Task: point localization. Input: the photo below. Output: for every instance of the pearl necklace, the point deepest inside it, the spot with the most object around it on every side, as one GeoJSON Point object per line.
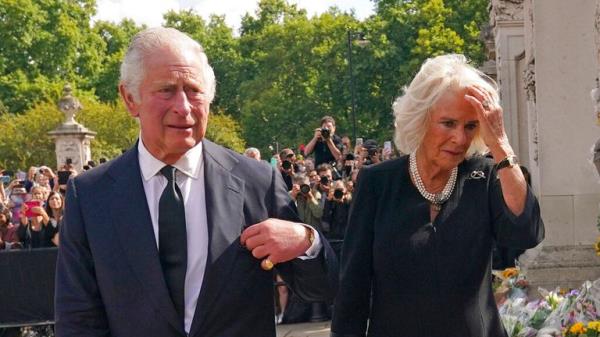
{"type": "Point", "coordinates": [436, 199]}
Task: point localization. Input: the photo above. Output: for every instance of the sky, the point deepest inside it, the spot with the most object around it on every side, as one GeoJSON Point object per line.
{"type": "Point", "coordinates": [150, 12]}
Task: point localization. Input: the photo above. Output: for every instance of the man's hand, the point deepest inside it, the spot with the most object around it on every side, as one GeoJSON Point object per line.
{"type": "Point", "coordinates": [277, 240]}
{"type": "Point", "coordinates": [318, 134]}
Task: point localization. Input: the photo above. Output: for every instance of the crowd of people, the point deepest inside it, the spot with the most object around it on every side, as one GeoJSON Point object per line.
{"type": "Point", "coordinates": [320, 179]}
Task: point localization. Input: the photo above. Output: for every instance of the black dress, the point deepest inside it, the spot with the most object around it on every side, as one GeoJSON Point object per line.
{"type": "Point", "coordinates": [426, 279]}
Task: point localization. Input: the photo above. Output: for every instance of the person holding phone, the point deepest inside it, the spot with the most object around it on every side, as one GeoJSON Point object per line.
{"type": "Point", "coordinates": [34, 231]}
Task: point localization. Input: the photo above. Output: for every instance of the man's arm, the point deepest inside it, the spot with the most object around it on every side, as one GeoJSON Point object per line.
{"type": "Point", "coordinates": [310, 147]}
{"type": "Point", "coordinates": [335, 152]}
{"type": "Point", "coordinates": [282, 239]}
{"type": "Point", "coordinates": [78, 307]}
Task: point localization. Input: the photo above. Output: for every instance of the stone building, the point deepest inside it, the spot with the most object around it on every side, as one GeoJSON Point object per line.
{"type": "Point", "coordinates": [547, 61]}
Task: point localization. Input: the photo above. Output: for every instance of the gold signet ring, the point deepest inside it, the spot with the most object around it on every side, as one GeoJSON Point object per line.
{"type": "Point", "coordinates": [266, 264]}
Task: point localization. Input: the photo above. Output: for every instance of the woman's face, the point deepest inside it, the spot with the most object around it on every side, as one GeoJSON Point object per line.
{"type": "Point", "coordinates": [451, 129]}
{"type": "Point", "coordinates": [55, 202]}
{"type": "Point", "coordinates": [37, 194]}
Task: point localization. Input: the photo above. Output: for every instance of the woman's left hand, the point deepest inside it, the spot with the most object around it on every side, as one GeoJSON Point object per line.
{"type": "Point", "coordinates": [489, 113]}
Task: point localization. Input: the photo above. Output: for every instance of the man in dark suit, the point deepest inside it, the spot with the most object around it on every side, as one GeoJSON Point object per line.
{"type": "Point", "coordinates": [169, 238]}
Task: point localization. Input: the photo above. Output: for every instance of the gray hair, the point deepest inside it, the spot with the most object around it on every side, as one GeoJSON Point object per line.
{"type": "Point", "coordinates": [150, 40]}
{"type": "Point", "coordinates": [252, 150]}
{"type": "Point", "coordinates": [437, 76]}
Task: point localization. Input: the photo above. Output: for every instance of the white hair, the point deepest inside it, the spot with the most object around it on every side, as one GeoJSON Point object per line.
{"type": "Point", "coordinates": [437, 76]}
{"type": "Point", "coordinates": [252, 150]}
{"type": "Point", "coordinates": [150, 41]}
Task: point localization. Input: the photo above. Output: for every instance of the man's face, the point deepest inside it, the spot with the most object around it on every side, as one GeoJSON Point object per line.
{"type": "Point", "coordinates": [172, 108]}
{"type": "Point", "coordinates": [330, 126]}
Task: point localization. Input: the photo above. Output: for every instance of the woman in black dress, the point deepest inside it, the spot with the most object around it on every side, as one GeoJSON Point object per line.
{"type": "Point", "coordinates": [416, 259]}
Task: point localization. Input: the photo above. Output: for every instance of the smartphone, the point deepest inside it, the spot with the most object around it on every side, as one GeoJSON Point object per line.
{"type": "Point", "coordinates": [5, 180]}
{"type": "Point", "coordinates": [387, 145]}
{"type": "Point", "coordinates": [63, 177]}
{"type": "Point", "coordinates": [30, 204]}
{"type": "Point", "coordinates": [359, 141]}
{"type": "Point", "coordinates": [274, 162]}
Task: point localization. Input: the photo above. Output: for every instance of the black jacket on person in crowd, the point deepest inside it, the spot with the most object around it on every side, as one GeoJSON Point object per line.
{"type": "Point", "coordinates": [109, 280]}
{"type": "Point", "coordinates": [409, 277]}
{"type": "Point", "coordinates": [335, 214]}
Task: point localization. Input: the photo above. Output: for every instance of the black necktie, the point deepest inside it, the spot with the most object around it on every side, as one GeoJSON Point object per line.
{"type": "Point", "coordinates": [172, 239]}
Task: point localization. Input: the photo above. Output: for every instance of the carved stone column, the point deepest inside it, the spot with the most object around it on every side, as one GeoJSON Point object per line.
{"type": "Point", "coordinates": [506, 20]}
{"type": "Point", "coordinates": [71, 138]}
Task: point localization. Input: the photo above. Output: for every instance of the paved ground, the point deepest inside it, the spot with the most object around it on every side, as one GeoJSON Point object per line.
{"type": "Point", "coordinates": [320, 329]}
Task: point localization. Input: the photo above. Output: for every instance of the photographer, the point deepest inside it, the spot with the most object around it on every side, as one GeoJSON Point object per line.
{"type": "Point", "coordinates": [308, 201]}
{"type": "Point", "coordinates": [287, 166]}
{"type": "Point", "coordinates": [325, 143]}
{"type": "Point", "coordinates": [335, 214]}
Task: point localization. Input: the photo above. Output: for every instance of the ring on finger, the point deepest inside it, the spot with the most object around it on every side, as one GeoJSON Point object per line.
{"type": "Point", "coordinates": [266, 264]}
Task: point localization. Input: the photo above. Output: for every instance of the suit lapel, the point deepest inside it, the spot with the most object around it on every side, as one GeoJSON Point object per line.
{"type": "Point", "coordinates": [133, 225]}
{"type": "Point", "coordinates": [224, 208]}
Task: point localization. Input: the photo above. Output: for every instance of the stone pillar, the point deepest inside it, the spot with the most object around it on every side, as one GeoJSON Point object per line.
{"type": "Point", "coordinates": [71, 138]}
{"type": "Point", "coordinates": [559, 51]}
{"type": "Point", "coordinates": [506, 20]}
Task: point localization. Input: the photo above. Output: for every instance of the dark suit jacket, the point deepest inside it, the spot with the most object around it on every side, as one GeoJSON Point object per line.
{"type": "Point", "coordinates": [109, 280]}
{"type": "Point", "coordinates": [409, 277]}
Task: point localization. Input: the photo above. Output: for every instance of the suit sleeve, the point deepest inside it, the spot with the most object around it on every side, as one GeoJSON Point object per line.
{"type": "Point", "coordinates": [351, 310]}
{"type": "Point", "coordinates": [312, 280]}
{"type": "Point", "coordinates": [79, 310]}
{"type": "Point", "coordinates": [524, 231]}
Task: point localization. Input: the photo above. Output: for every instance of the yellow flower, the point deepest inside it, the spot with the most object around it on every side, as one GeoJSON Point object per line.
{"type": "Point", "coordinates": [577, 328]}
{"type": "Point", "coordinates": [510, 272]}
{"type": "Point", "coordinates": [595, 325]}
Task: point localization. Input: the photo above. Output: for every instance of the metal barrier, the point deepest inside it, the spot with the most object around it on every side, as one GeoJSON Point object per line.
{"type": "Point", "coordinates": [27, 287]}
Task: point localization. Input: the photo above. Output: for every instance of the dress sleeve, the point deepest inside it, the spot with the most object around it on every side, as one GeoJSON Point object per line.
{"type": "Point", "coordinates": [351, 310]}
{"type": "Point", "coordinates": [523, 231]}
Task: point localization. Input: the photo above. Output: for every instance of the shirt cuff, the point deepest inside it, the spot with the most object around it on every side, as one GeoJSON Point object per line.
{"type": "Point", "coordinates": [313, 251]}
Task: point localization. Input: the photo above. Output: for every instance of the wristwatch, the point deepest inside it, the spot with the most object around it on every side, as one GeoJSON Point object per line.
{"type": "Point", "coordinates": [509, 161]}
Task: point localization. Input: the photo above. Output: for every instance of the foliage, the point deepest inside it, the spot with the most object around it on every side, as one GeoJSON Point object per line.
{"type": "Point", "coordinates": [275, 80]}
{"type": "Point", "coordinates": [224, 130]}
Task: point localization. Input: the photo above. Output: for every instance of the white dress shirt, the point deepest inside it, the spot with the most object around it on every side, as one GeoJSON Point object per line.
{"type": "Point", "coordinates": [190, 177]}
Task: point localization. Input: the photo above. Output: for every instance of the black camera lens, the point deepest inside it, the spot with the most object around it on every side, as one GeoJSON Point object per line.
{"type": "Point", "coordinates": [350, 156]}
{"type": "Point", "coordinates": [338, 193]}
{"type": "Point", "coordinates": [325, 133]}
{"type": "Point", "coordinates": [324, 180]}
{"type": "Point", "coordinates": [372, 151]}
{"type": "Point", "coordinates": [304, 188]}
{"type": "Point", "coordinates": [286, 164]}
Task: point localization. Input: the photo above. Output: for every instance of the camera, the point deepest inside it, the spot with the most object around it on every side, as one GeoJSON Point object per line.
{"type": "Point", "coordinates": [338, 194]}
{"type": "Point", "coordinates": [324, 180]}
{"type": "Point", "coordinates": [305, 188]}
{"type": "Point", "coordinates": [325, 133]}
{"type": "Point", "coordinates": [286, 164]}
{"type": "Point", "coordinates": [350, 156]}
{"type": "Point", "coordinates": [69, 161]}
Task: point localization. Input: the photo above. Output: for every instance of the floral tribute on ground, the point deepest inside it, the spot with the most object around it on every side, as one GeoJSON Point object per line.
{"type": "Point", "coordinates": [561, 312]}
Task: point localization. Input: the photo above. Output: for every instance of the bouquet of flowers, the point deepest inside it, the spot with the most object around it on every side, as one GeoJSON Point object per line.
{"type": "Point", "coordinates": [561, 313]}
